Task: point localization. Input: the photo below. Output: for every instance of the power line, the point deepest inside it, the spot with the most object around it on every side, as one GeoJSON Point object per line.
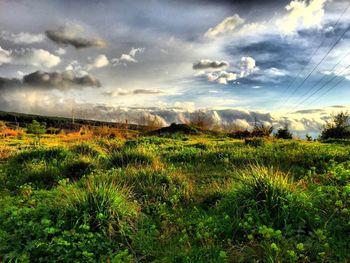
{"type": "Point", "coordinates": [324, 85]}
{"type": "Point", "coordinates": [324, 39]}
{"type": "Point", "coordinates": [327, 91]}
{"type": "Point", "coordinates": [319, 63]}
{"type": "Point", "coordinates": [324, 77]}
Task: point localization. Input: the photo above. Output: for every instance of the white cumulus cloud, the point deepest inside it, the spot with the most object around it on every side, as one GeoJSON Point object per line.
{"type": "Point", "coordinates": [302, 15]}
{"type": "Point", "coordinates": [29, 57]}
{"type": "Point", "coordinates": [22, 37]}
{"type": "Point", "coordinates": [99, 62]}
{"type": "Point", "coordinates": [229, 24]}
{"type": "Point", "coordinates": [124, 59]}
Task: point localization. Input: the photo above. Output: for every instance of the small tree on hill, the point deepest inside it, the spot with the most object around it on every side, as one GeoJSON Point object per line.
{"type": "Point", "coordinates": [284, 133]}
{"type": "Point", "coordinates": [37, 129]}
{"type": "Point", "coordinates": [308, 137]}
{"type": "Point", "coordinates": [337, 128]}
{"type": "Point", "coordinates": [260, 130]}
{"type": "Point", "coordinates": [201, 120]}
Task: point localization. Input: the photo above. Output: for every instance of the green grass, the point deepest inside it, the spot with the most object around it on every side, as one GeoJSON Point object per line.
{"type": "Point", "coordinates": [175, 199]}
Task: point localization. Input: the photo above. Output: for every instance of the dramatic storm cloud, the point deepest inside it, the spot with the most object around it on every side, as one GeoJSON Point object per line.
{"type": "Point", "coordinates": [49, 80]}
{"type": "Point", "coordinates": [73, 35]}
{"type": "Point", "coordinates": [208, 64]}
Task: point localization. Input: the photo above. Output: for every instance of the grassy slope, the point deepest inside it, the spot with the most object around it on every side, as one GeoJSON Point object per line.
{"type": "Point", "coordinates": [182, 199]}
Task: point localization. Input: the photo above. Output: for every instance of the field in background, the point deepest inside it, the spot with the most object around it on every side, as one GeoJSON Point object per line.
{"type": "Point", "coordinates": [79, 197]}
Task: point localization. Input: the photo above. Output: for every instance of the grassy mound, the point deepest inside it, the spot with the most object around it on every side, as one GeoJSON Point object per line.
{"type": "Point", "coordinates": [43, 168]}
{"type": "Point", "coordinates": [85, 149]}
{"type": "Point", "coordinates": [173, 129]}
{"type": "Point", "coordinates": [129, 157]}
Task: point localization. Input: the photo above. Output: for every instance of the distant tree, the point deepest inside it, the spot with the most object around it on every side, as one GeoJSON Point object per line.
{"type": "Point", "coordinates": [37, 129]}
{"type": "Point", "coordinates": [2, 126]}
{"type": "Point", "coordinates": [201, 120]}
{"type": "Point", "coordinates": [337, 128]}
{"type": "Point", "coordinates": [260, 130]}
{"type": "Point", "coordinates": [284, 133]}
{"type": "Point", "coordinates": [150, 122]}
{"type": "Point", "coordinates": [308, 137]}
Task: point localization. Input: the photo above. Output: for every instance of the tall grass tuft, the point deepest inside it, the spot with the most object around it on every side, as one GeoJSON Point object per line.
{"type": "Point", "coordinates": [101, 203]}
{"type": "Point", "coordinates": [157, 186]}
{"type": "Point", "coordinates": [269, 198]}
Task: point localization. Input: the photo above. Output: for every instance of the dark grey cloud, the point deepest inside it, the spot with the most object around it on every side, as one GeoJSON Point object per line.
{"type": "Point", "coordinates": [209, 64]}
{"type": "Point", "coordinates": [273, 52]}
{"type": "Point", "coordinates": [147, 91]}
{"type": "Point", "coordinates": [121, 92]}
{"type": "Point", "coordinates": [73, 35]}
{"type": "Point", "coordinates": [338, 106]}
{"type": "Point", "coordinates": [310, 111]}
{"type": "Point", "coordinates": [49, 80]}
{"type": "Point", "coordinates": [58, 80]}
{"type": "Point", "coordinates": [9, 83]}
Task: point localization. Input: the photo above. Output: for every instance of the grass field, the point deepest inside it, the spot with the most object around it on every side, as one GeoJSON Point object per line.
{"type": "Point", "coordinates": [173, 199]}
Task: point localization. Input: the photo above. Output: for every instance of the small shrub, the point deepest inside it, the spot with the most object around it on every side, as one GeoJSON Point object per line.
{"type": "Point", "coordinates": [260, 130]}
{"type": "Point", "coordinates": [240, 134]}
{"type": "Point", "coordinates": [107, 132]}
{"type": "Point", "coordinates": [284, 133]}
{"type": "Point", "coordinates": [337, 128]}
{"type": "Point", "coordinates": [37, 129]}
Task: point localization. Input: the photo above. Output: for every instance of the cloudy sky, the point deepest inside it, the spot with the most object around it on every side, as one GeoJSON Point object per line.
{"type": "Point", "coordinates": [285, 60]}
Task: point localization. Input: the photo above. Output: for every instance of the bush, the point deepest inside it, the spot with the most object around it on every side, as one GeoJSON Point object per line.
{"type": "Point", "coordinates": [284, 133]}
{"type": "Point", "coordinates": [36, 128]}
{"type": "Point", "coordinates": [240, 134]}
{"type": "Point", "coordinates": [260, 130]}
{"type": "Point", "coordinates": [7, 132]}
{"type": "Point", "coordinates": [337, 128]}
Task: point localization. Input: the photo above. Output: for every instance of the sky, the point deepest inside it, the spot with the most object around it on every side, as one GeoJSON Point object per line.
{"type": "Point", "coordinates": [276, 60]}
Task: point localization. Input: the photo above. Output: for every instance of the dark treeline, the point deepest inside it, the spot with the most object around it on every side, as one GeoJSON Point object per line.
{"type": "Point", "coordinates": [22, 120]}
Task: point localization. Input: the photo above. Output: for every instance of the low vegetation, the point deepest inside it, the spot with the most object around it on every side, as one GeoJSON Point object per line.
{"type": "Point", "coordinates": [174, 196]}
